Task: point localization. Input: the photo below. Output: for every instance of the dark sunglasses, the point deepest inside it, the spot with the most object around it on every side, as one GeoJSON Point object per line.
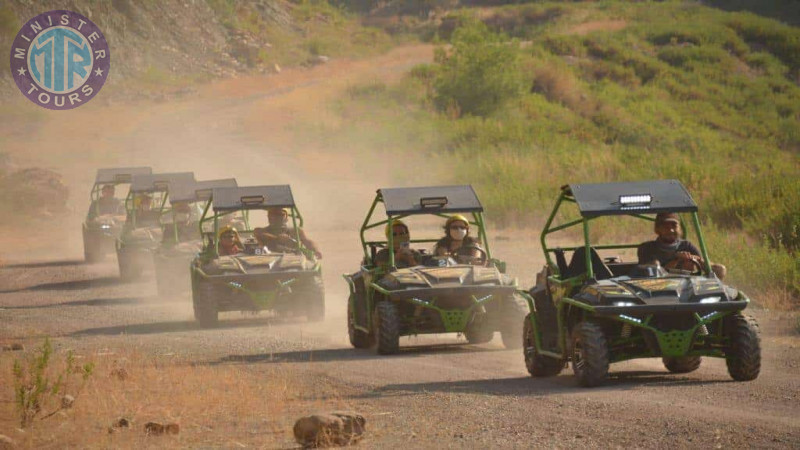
{"type": "Point", "coordinates": [400, 233]}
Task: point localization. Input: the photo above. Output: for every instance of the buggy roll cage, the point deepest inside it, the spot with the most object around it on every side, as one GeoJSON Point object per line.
{"type": "Point", "coordinates": [585, 197]}
{"type": "Point", "coordinates": [158, 184]}
{"type": "Point", "coordinates": [113, 176]}
{"type": "Point", "coordinates": [247, 203]}
{"type": "Point", "coordinates": [200, 191]}
{"type": "Point", "coordinates": [435, 201]}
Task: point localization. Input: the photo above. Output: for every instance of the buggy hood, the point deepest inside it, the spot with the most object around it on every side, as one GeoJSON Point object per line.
{"type": "Point", "coordinates": [451, 276]}
{"type": "Point", "coordinates": [657, 291]}
{"type": "Point", "coordinates": [258, 264]}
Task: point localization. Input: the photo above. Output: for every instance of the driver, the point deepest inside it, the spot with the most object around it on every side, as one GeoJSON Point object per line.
{"type": "Point", "coordinates": [668, 249]}
{"type": "Point", "coordinates": [185, 221]}
{"type": "Point", "coordinates": [145, 214]}
{"type": "Point", "coordinates": [106, 204]}
{"type": "Point", "coordinates": [279, 234]}
{"type": "Point", "coordinates": [229, 243]}
{"type": "Point", "coordinates": [404, 256]}
{"type": "Point", "coordinates": [457, 241]}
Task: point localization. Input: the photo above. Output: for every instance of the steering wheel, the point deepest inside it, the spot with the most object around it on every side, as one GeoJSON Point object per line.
{"type": "Point", "coordinates": [691, 266]}
{"type": "Point", "coordinates": [282, 247]}
{"type": "Point", "coordinates": [479, 260]}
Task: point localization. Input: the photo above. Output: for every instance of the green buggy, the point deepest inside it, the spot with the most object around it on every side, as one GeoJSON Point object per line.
{"type": "Point", "coordinates": [141, 235]}
{"type": "Point", "coordinates": [285, 280]}
{"type": "Point", "coordinates": [106, 216]}
{"type": "Point", "coordinates": [181, 241]}
{"type": "Point", "coordinates": [440, 295]}
{"type": "Point", "coordinates": [595, 311]}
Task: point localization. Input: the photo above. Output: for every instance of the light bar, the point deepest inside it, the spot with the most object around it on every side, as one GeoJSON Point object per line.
{"type": "Point", "coordinates": [161, 185]}
{"type": "Point", "coordinates": [433, 202]}
{"type": "Point", "coordinates": [635, 200]}
{"type": "Point", "coordinates": [122, 178]}
{"type": "Point", "coordinates": [202, 193]}
{"type": "Point", "coordinates": [252, 199]}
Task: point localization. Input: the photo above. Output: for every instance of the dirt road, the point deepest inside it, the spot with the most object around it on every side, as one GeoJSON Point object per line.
{"type": "Point", "coordinates": [434, 394]}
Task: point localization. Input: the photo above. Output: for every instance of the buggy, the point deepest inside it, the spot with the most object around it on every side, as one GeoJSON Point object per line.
{"type": "Point", "coordinates": [595, 311]}
{"type": "Point", "coordinates": [181, 239]}
{"type": "Point", "coordinates": [440, 295]}
{"type": "Point", "coordinates": [103, 223]}
{"type": "Point", "coordinates": [141, 235]}
{"type": "Point", "coordinates": [286, 280]}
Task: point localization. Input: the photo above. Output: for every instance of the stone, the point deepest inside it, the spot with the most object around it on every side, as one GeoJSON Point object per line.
{"type": "Point", "coordinates": [67, 401]}
{"type": "Point", "coordinates": [334, 429]}
{"type": "Point", "coordinates": [155, 428]}
{"type": "Point", "coordinates": [6, 443]}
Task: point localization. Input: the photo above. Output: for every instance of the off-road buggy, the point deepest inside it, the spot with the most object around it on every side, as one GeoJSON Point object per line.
{"type": "Point", "coordinates": [141, 235]}
{"type": "Point", "coordinates": [102, 227]}
{"type": "Point", "coordinates": [595, 311]}
{"type": "Point", "coordinates": [440, 295]}
{"type": "Point", "coordinates": [181, 240]}
{"type": "Point", "coordinates": [286, 280]}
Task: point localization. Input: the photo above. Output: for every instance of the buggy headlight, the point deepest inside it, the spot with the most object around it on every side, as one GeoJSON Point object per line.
{"type": "Point", "coordinates": [714, 299]}
{"type": "Point", "coordinates": [623, 303]}
{"type": "Point", "coordinates": [105, 227]}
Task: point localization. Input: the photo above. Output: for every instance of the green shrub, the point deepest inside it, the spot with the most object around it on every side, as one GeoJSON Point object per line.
{"type": "Point", "coordinates": [38, 386]}
{"type": "Point", "coordinates": [479, 74]}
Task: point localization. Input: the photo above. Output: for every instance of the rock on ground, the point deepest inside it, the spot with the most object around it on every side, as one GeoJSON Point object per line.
{"type": "Point", "coordinates": [334, 429]}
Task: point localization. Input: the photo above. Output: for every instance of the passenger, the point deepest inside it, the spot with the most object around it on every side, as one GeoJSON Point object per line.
{"type": "Point", "coordinates": [404, 256]}
{"type": "Point", "coordinates": [229, 243]}
{"type": "Point", "coordinates": [106, 204]}
{"type": "Point", "coordinates": [279, 234]}
{"type": "Point", "coordinates": [185, 221]}
{"type": "Point", "coordinates": [143, 208]}
{"type": "Point", "coordinates": [457, 242]}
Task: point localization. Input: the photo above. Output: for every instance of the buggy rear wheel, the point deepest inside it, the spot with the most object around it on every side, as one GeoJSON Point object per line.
{"type": "Point", "coordinates": [743, 355]}
{"type": "Point", "coordinates": [538, 365]}
{"type": "Point", "coordinates": [205, 304]}
{"type": "Point", "coordinates": [358, 338]}
{"type": "Point", "coordinates": [130, 268]}
{"type": "Point", "coordinates": [684, 364]}
{"type": "Point", "coordinates": [590, 357]}
{"type": "Point", "coordinates": [386, 323]}
{"type": "Point", "coordinates": [478, 334]}
{"type": "Point", "coordinates": [514, 311]}
{"type": "Point", "coordinates": [311, 295]}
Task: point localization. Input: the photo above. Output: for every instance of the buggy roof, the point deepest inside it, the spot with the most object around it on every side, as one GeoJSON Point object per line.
{"type": "Point", "coordinates": [639, 197]}
{"type": "Point", "coordinates": [119, 174]}
{"type": "Point", "coordinates": [431, 199]}
{"type": "Point", "coordinates": [199, 191]}
{"type": "Point", "coordinates": [161, 182]}
{"type": "Point", "coordinates": [252, 197]}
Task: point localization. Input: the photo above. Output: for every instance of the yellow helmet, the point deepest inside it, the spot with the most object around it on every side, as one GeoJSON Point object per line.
{"type": "Point", "coordinates": [228, 229]}
{"type": "Point", "coordinates": [392, 223]}
{"type": "Point", "coordinates": [455, 218]}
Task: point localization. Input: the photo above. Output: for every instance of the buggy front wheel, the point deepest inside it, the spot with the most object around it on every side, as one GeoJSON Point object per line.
{"type": "Point", "coordinates": [386, 322]}
{"type": "Point", "coordinates": [743, 355]}
{"type": "Point", "coordinates": [590, 356]}
{"type": "Point", "coordinates": [684, 364]}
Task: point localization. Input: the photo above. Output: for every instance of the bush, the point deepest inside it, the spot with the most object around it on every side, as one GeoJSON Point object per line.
{"type": "Point", "coordinates": [37, 385]}
{"type": "Point", "coordinates": [480, 74]}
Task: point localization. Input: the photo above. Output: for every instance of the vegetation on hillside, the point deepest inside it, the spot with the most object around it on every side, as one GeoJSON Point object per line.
{"type": "Point", "coordinates": [613, 91]}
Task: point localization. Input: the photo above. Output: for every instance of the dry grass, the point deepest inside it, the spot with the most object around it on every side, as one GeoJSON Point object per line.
{"type": "Point", "coordinates": [215, 405]}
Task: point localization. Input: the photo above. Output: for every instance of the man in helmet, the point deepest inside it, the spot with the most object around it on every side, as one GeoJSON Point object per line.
{"type": "Point", "coordinates": [280, 235]}
{"type": "Point", "coordinates": [106, 204]}
{"type": "Point", "coordinates": [404, 255]}
{"type": "Point", "coordinates": [457, 243]}
{"type": "Point", "coordinates": [229, 243]}
{"type": "Point", "coordinates": [185, 218]}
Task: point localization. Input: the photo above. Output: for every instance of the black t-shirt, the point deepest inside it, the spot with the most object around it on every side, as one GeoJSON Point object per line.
{"type": "Point", "coordinates": [653, 250]}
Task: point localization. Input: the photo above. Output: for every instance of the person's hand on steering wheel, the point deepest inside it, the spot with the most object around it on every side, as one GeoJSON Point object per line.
{"type": "Point", "coordinates": [686, 261]}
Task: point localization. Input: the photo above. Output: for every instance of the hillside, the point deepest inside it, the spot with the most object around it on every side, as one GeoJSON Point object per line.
{"type": "Point", "coordinates": [530, 97]}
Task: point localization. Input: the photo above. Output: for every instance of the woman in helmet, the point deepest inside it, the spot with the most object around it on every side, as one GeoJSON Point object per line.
{"type": "Point", "coordinates": [457, 242]}
{"type": "Point", "coordinates": [404, 256]}
{"type": "Point", "coordinates": [229, 243]}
